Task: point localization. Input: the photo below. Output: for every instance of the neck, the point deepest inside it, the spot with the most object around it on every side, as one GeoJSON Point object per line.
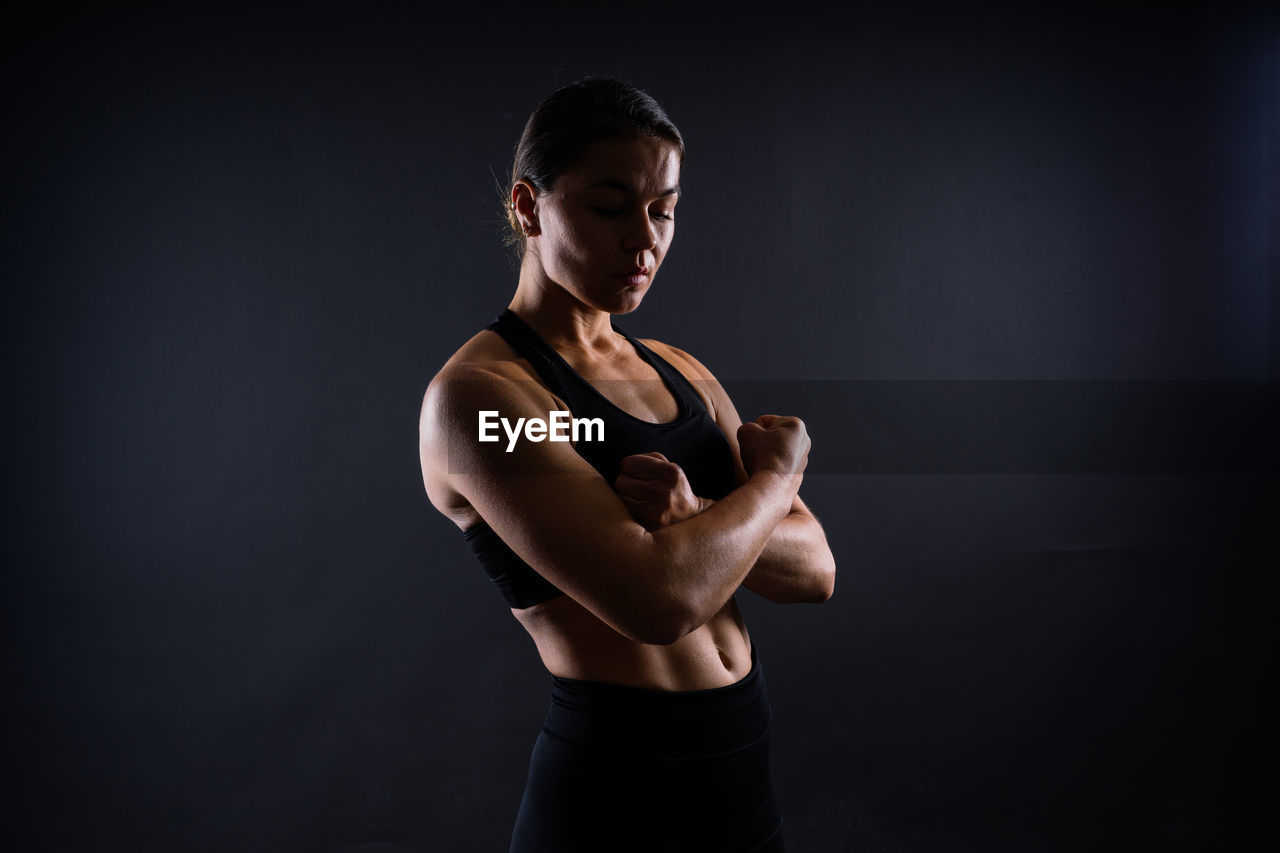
{"type": "Point", "coordinates": [558, 317]}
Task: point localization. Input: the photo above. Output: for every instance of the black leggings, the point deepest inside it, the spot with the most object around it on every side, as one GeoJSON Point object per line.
{"type": "Point", "coordinates": [631, 769]}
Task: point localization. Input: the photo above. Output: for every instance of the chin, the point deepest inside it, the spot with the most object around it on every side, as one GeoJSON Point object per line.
{"type": "Point", "coordinates": [626, 302]}
{"type": "Point", "coordinates": [613, 300]}
{"type": "Point", "coordinates": [627, 308]}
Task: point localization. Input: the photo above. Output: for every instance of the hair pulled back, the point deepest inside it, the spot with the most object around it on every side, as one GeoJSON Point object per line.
{"type": "Point", "coordinates": [566, 124]}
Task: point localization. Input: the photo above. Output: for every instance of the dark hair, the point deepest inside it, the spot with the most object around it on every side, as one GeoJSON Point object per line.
{"type": "Point", "coordinates": [594, 109]}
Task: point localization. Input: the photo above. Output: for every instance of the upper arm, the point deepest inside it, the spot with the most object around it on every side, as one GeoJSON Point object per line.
{"type": "Point", "coordinates": [544, 500]}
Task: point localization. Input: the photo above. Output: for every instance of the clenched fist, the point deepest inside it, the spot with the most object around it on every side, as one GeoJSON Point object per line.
{"type": "Point", "coordinates": [656, 491]}
{"type": "Point", "coordinates": [774, 443]}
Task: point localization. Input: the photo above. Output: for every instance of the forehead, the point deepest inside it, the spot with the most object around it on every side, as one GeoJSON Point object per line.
{"type": "Point", "coordinates": [649, 166]}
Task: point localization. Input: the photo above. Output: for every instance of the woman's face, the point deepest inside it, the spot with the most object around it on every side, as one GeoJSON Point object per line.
{"type": "Point", "coordinates": [605, 227]}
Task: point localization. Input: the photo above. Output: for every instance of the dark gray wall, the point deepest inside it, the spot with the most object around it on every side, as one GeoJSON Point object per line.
{"type": "Point", "coordinates": [1017, 273]}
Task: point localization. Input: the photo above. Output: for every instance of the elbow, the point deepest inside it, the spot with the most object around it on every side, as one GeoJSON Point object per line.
{"type": "Point", "coordinates": [647, 608]}
{"type": "Point", "coordinates": [824, 593]}
{"type": "Point", "coordinates": [824, 582]}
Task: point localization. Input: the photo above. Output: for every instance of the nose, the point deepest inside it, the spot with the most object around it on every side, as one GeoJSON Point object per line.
{"type": "Point", "coordinates": [641, 233]}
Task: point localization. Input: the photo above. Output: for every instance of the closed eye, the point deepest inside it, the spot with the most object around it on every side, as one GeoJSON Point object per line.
{"type": "Point", "coordinates": [614, 212]}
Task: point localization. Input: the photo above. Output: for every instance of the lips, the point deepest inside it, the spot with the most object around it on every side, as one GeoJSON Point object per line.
{"type": "Point", "coordinates": [636, 276]}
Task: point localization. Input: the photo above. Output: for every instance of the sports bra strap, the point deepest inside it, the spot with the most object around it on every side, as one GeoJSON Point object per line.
{"type": "Point", "coordinates": [529, 345]}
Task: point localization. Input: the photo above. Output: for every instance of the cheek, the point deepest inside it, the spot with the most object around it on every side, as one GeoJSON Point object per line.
{"type": "Point", "coordinates": [570, 254]}
{"type": "Point", "coordinates": [575, 243]}
{"type": "Point", "coordinates": [664, 243]}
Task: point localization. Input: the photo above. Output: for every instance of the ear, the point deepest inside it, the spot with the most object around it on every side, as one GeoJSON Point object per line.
{"type": "Point", "coordinates": [524, 201]}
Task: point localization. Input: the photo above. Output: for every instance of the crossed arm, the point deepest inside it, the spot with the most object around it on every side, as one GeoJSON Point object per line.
{"type": "Point", "coordinates": [796, 564]}
{"type": "Point", "coordinates": [651, 584]}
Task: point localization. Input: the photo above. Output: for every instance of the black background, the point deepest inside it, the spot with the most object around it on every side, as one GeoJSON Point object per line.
{"type": "Point", "coordinates": [240, 242]}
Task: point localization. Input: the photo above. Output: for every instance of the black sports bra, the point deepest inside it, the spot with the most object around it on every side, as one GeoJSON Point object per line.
{"type": "Point", "coordinates": [692, 441]}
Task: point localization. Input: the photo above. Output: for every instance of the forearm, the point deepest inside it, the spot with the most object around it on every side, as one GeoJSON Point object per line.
{"type": "Point", "coordinates": [796, 564]}
{"type": "Point", "coordinates": [707, 557]}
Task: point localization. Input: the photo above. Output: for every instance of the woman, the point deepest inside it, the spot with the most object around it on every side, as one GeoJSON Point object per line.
{"type": "Point", "coordinates": [620, 552]}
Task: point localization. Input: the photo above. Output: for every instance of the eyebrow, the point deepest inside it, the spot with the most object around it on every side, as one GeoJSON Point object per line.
{"type": "Point", "coordinates": [615, 184]}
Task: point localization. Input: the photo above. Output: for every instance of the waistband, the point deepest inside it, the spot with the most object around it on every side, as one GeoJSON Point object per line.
{"type": "Point", "coordinates": [668, 725]}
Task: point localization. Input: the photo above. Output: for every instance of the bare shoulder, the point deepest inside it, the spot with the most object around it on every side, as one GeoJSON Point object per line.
{"type": "Point", "coordinates": [484, 374]}
{"type": "Point", "coordinates": [484, 367]}
{"type": "Point", "coordinates": [484, 351]}
{"type": "Point", "coordinates": [686, 363]}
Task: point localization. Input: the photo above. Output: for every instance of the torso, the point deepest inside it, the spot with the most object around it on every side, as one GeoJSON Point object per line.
{"type": "Point", "coordinates": [572, 641]}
